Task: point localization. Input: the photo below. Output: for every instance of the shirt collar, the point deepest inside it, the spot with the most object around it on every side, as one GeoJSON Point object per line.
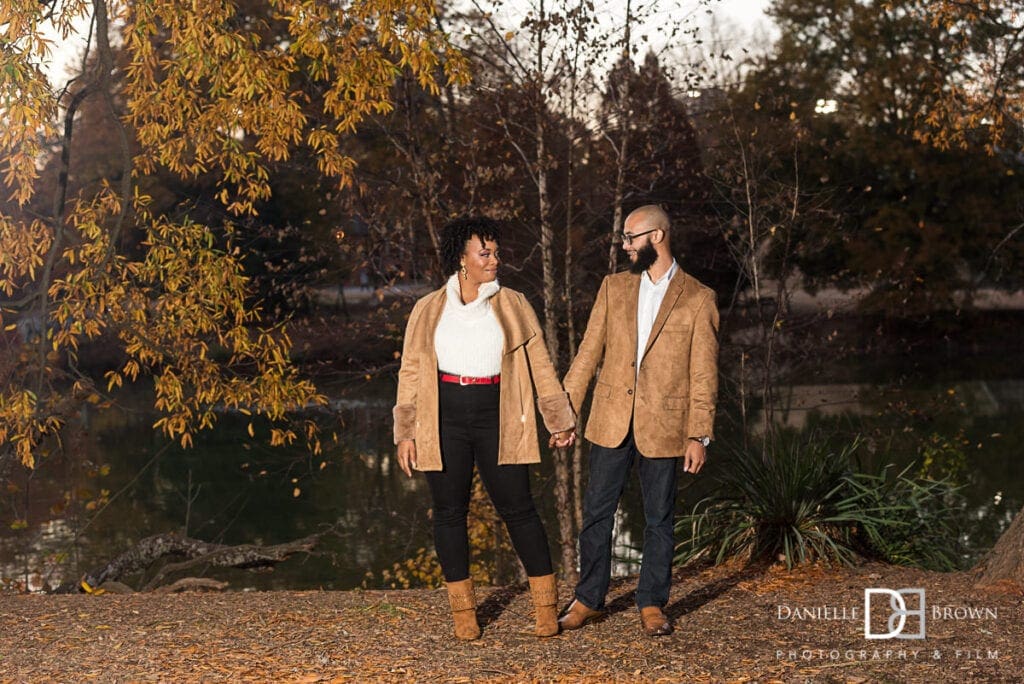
{"type": "Point", "coordinates": [663, 280]}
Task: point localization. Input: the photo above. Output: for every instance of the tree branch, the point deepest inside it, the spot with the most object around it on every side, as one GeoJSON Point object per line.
{"type": "Point", "coordinates": [151, 549]}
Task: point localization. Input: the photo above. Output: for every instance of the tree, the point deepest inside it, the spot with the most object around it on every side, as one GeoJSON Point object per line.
{"type": "Point", "coordinates": [917, 225]}
{"type": "Point", "coordinates": [984, 103]}
{"type": "Point", "coordinates": [650, 145]}
{"type": "Point", "coordinates": [763, 203]}
{"type": "Point", "coordinates": [208, 92]}
{"type": "Point", "coordinates": [983, 98]}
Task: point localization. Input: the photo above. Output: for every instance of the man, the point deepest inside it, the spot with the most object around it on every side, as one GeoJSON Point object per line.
{"type": "Point", "coordinates": [654, 330]}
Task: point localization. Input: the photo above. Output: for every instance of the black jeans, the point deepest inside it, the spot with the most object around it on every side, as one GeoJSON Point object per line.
{"type": "Point", "coordinates": [469, 418]}
{"type": "Point", "coordinates": [609, 470]}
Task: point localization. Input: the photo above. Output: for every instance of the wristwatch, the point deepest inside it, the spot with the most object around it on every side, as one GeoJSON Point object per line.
{"type": "Point", "coordinates": [704, 441]}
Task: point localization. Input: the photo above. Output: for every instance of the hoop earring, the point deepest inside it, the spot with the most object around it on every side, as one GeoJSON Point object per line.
{"type": "Point", "coordinates": [465, 276]}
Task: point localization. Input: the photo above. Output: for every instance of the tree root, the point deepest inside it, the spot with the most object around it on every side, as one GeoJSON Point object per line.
{"type": "Point", "coordinates": [196, 553]}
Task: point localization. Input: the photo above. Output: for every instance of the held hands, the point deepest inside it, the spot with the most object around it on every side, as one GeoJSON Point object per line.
{"type": "Point", "coordinates": [563, 439]}
{"type": "Point", "coordinates": [407, 456]}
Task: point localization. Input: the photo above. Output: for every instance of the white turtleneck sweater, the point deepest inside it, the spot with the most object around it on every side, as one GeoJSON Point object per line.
{"type": "Point", "coordinates": [469, 340]}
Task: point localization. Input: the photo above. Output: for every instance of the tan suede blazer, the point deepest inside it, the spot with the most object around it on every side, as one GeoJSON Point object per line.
{"type": "Point", "coordinates": [525, 367]}
{"type": "Point", "coordinates": [673, 397]}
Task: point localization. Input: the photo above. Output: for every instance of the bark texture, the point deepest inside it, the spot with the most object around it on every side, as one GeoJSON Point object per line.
{"type": "Point", "coordinates": [1005, 563]}
{"type": "Point", "coordinates": [194, 552]}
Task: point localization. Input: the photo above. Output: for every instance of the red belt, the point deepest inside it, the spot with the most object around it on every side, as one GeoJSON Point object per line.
{"type": "Point", "coordinates": [466, 380]}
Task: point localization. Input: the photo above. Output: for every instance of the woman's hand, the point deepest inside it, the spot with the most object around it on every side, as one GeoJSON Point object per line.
{"type": "Point", "coordinates": [563, 439]}
{"type": "Point", "coordinates": [407, 456]}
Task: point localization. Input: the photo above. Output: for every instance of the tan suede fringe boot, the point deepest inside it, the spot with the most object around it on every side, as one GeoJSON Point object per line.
{"type": "Point", "coordinates": [463, 602]}
{"type": "Point", "coordinates": [545, 604]}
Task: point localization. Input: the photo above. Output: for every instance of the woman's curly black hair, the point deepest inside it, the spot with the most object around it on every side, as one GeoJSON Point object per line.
{"type": "Point", "coordinates": [457, 233]}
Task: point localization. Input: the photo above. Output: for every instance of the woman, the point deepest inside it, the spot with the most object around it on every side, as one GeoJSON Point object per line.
{"type": "Point", "coordinates": [473, 357]}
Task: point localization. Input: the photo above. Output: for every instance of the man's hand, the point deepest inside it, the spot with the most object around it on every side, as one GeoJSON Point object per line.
{"type": "Point", "coordinates": [695, 456]}
{"type": "Point", "coordinates": [407, 456]}
{"type": "Point", "coordinates": [563, 439]}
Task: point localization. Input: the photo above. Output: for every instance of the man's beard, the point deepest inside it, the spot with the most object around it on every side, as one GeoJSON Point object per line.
{"type": "Point", "coordinates": [645, 258]}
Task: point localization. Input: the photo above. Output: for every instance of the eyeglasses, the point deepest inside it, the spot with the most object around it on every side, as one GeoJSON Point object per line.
{"type": "Point", "coordinates": [627, 238]}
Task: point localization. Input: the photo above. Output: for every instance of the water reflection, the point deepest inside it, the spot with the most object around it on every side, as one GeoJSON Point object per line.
{"type": "Point", "coordinates": [231, 489]}
{"type": "Point", "coordinates": [966, 430]}
{"type": "Point", "coordinates": [119, 482]}
{"type": "Point", "coordinates": [41, 566]}
{"type": "Point", "coordinates": [796, 404]}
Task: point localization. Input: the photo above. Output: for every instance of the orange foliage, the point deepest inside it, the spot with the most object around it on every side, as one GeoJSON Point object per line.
{"type": "Point", "coordinates": [206, 91]}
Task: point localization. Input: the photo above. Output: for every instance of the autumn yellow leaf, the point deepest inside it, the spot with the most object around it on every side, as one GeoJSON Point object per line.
{"type": "Point", "coordinates": [225, 104]}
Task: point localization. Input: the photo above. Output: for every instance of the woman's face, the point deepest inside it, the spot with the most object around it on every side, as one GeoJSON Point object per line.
{"type": "Point", "coordinates": [480, 259]}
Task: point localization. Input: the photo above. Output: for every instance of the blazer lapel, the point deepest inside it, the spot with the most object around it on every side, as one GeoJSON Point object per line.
{"type": "Point", "coordinates": [675, 288]}
{"type": "Point", "coordinates": [432, 316]}
{"type": "Point", "coordinates": [631, 300]}
{"type": "Point", "coordinates": [517, 332]}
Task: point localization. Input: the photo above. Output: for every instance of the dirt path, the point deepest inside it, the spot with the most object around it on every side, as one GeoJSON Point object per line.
{"type": "Point", "coordinates": [733, 626]}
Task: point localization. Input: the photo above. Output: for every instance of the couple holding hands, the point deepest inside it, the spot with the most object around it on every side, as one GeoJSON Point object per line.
{"type": "Point", "coordinates": [473, 361]}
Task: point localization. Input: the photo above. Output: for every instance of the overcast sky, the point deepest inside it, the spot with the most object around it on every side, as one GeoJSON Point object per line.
{"type": "Point", "coordinates": [748, 14]}
{"type": "Point", "coordinates": [739, 20]}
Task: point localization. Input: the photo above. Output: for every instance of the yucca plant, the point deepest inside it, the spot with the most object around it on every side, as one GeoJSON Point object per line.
{"type": "Point", "coordinates": [803, 503]}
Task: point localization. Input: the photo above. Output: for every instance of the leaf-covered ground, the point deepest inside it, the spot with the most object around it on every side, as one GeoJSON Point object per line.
{"type": "Point", "coordinates": [732, 626]}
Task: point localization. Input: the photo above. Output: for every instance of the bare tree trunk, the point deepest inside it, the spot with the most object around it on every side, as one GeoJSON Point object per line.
{"type": "Point", "coordinates": [424, 178]}
{"type": "Point", "coordinates": [781, 297]}
{"type": "Point", "coordinates": [620, 181]}
{"type": "Point", "coordinates": [427, 184]}
{"type": "Point", "coordinates": [567, 538]}
{"type": "Point", "coordinates": [547, 245]}
{"type": "Point", "coordinates": [622, 152]}
{"type": "Point", "coordinates": [743, 394]}
{"type": "Point", "coordinates": [1005, 562]}
{"type": "Point", "coordinates": [770, 329]}
{"type": "Point", "coordinates": [414, 269]}
{"type": "Point", "coordinates": [428, 219]}
{"type": "Point", "coordinates": [575, 458]}
{"type": "Point", "coordinates": [446, 106]}
{"type": "Point", "coordinates": [752, 267]}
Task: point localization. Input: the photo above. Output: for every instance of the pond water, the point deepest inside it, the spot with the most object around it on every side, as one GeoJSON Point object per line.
{"type": "Point", "coordinates": [119, 481]}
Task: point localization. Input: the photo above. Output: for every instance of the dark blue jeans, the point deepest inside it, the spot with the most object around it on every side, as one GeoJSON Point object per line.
{"type": "Point", "coordinates": [609, 471]}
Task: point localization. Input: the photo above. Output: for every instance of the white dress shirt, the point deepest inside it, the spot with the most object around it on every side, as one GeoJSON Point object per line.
{"type": "Point", "coordinates": [651, 295]}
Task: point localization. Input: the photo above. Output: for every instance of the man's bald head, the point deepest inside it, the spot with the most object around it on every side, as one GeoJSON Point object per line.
{"type": "Point", "coordinates": [648, 217]}
{"type": "Point", "coordinates": [645, 240]}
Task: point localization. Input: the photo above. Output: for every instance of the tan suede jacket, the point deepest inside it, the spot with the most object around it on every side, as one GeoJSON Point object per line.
{"type": "Point", "coordinates": [673, 397]}
{"type": "Point", "coordinates": [525, 367]}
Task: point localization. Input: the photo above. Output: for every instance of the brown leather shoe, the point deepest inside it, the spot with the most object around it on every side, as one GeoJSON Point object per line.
{"type": "Point", "coordinates": [463, 602]}
{"type": "Point", "coordinates": [578, 615]}
{"type": "Point", "coordinates": [655, 622]}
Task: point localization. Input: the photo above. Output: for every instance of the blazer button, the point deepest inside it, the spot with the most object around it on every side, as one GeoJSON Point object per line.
{"type": "Point", "coordinates": [629, 391]}
{"type": "Point", "coordinates": [632, 364]}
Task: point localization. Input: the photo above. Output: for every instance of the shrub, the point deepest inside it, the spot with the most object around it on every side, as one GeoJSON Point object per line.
{"type": "Point", "coordinates": [803, 503]}
{"type": "Point", "coordinates": [918, 523]}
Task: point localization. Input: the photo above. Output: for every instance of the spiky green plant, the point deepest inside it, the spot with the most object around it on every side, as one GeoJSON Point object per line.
{"type": "Point", "coordinates": [803, 503]}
